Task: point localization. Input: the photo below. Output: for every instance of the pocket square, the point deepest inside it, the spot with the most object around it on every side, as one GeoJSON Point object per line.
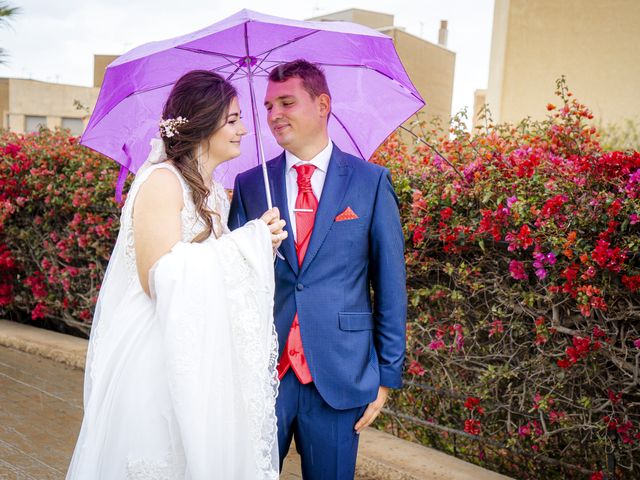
{"type": "Point", "coordinates": [348, 214]}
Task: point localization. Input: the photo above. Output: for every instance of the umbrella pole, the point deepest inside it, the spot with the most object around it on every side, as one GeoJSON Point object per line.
{"type": "Point", "coordinates": [256, 125]}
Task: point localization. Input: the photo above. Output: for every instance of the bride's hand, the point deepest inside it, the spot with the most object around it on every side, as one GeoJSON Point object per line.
{"type": "Point", "coordinates": [276, 226]}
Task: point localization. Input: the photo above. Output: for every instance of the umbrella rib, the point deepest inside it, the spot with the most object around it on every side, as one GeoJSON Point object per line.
{"type": "Point", "coordinates": [227, 57]}
{"type": "Point", "coordinates": [232, 74]}
{"type": "Point", "coordinates": [270, 51]}
{"type": "Point", "coordinates": [232, 59]}
{"type": "Point", "coordinates": [261, 69]}
{"type": "Point", "coordinates": [349, 134]}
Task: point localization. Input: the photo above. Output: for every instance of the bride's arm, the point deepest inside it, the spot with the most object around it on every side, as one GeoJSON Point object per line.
{"type": "Point", "coordinates": [156, 220]}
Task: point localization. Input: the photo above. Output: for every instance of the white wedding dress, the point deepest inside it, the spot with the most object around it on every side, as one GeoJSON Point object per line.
{"type": "Point", "coordinates": [182, 385]}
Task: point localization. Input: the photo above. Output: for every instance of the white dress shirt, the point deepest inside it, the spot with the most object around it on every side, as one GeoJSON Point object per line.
{"type": "Point", "coordinates": [321, 161]}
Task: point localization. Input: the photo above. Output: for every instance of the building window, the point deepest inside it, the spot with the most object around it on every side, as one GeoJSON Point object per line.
{"type": "Point", "coordinates": [33, 123]}
{"type": "Point", "coordinates": [74, 125]}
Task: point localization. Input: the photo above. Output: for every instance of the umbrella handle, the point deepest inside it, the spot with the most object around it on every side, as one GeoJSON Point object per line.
{"type": "Point", "coordinates": [265, 177]}
{"type": "Point", "coordinates": [258, 129]}
{"type": "Point", "coordinates": [256, 125]}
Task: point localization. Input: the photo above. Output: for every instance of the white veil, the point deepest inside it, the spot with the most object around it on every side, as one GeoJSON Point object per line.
{"type": "Point", "coordinates": [115, 280]}
{"type": "Point", "coordinates": [202, 352]}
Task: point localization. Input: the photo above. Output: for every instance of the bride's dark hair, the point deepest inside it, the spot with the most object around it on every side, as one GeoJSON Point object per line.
{"type": "Point", "coordinates": [203, 99]}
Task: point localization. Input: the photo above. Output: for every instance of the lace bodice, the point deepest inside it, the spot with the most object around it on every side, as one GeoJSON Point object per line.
{"type": "Point", "coordinates": [192, 224]}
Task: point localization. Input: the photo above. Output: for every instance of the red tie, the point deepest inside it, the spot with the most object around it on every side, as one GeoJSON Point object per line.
{"type": "Point", "coordinates": [305, 210]}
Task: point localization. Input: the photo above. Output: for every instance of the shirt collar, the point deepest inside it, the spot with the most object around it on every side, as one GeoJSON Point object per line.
{"type": "Point", "coordinates": [321, 160]}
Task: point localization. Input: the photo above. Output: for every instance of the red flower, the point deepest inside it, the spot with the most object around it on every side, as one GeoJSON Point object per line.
{"type": "Point", "coordinates": [471, 402]}
{"type": "Point", "coordinates": [6, 294]}
{"type": "Point", "coordinates": [472, 426]}
{"type": "Point", "coordinates": [610, 258]}
{"type": "Point", "coordinates": [631, 282]}
{"type": "Point", "coordinates": [40, 311]}
{"type": "Point", "coordinates": [552, 206]}
{"type": "Point", "coordinates": [419, 234]}
{"type": "Point", "coordinates": [36, 283]}
{"type": "Point", "coordinates": [614, 397]}
{"type": "Point", "coordinates": [520, 240]}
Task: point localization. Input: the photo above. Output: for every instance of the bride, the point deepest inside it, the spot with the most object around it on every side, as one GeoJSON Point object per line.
{"type": "Point", "coordinates": [180, 379]}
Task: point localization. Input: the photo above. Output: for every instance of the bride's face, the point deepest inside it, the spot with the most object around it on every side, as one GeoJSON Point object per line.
{"type": "Point", "coordinates": [224, 144]}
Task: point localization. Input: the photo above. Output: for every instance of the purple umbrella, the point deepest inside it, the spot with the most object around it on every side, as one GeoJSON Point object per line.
{"type": "Point", "coordinates": [370, 89]}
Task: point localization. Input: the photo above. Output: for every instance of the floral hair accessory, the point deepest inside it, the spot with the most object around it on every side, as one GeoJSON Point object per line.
{"type": "Point", "coordinates": [169, 127]}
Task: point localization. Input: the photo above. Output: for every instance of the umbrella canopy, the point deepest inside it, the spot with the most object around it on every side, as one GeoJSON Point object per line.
{"type": "Point", "coordinates": [371, 92]}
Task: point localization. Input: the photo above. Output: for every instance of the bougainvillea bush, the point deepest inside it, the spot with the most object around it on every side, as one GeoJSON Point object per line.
{"type": "Point", "coordinates": [523, 276]}
{"type": "Point", "coordinates": [58, 224]}
{"type": "Point", "coordinates": [524, 279]}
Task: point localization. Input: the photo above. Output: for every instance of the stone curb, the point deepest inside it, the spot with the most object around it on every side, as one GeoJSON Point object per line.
{"type": "Point", "coordinates": [59, 347]}
{"type": "Point", "coordinates": [381, 456]}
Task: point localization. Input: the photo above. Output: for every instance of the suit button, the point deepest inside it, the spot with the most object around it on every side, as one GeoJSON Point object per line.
{"type": "Point", "coordinates": [299, 287]}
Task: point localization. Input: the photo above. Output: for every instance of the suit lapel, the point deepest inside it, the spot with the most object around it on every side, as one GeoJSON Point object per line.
{"type": "Point", "coordinates": [279, 192]}
{"type": "Point", "coordinates": [334, 189]}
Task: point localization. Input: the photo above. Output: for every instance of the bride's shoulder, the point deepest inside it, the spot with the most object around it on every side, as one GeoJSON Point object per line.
{"type": "Point", "coordinates": [161, 186]}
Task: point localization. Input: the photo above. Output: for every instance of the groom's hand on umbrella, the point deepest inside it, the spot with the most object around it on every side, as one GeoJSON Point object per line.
{"type": "Point", "coordinates": [373, 410]}
{"type": "Point", "coordinates": [276, 226]}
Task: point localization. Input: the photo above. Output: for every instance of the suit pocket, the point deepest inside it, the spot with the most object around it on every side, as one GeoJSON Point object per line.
{"type": "Point", "coordinates": [354, 321]}
{"type": "Point", "coordinates": [349, 223]}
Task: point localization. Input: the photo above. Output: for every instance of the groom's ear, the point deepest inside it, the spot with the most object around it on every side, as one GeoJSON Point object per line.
{"type": "Point", "coordinates": [324, 104]}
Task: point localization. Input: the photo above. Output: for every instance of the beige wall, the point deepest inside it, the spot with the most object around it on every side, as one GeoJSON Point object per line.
{"type": "Point", "coordinates": [100, 64]}
{"type": "Point", "coordinates": [4, 101]}
{"type": "Point", "coordinates": [479, 101]}
{"type": "Point", "coordinates": [355, 15]}
{"type": "Point", "coordinates": [595, 44]}
{"type": "Point", "coordinates": [51, 100]}
{"type": "Point", "coordinates": [431, 68]}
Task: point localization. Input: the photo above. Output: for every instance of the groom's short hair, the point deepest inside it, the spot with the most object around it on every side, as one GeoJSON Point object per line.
{"type": "Point", "coordinates": [313, 79]}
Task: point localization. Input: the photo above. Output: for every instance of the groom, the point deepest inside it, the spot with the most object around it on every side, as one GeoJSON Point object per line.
{"type": "Point", "coordinates": [340, 349]}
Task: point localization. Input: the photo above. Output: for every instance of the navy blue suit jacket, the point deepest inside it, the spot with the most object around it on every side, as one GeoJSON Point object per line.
{"type": "Point", "coordinates": [353, 341]}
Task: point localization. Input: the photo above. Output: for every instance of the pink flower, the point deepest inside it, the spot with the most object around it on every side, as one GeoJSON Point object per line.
{"type": "Point", "coordinates": [556, 417]}
{"type": "Point", "coordinates": [634, 218]}
{"type": "Point", "coordinates": [517, 270]}
{"type": "Point", "coordinates": [524, 430]}
{"type": "Point", "coordinates": [636, 343]}
{"type": "Point", "coordinates": [496, 327]}
{"type": "Point", "coordinates": [415, 369]}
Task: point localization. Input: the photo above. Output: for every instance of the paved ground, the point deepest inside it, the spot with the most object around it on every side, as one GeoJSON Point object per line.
{"type": "Point", "coordinates": [40, 418]}
{"type": "Point", "coordinates": [41, 410]}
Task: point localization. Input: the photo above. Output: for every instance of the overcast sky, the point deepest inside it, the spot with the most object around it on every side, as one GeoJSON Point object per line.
{"type": "Point", "coordinates": [55, 40]}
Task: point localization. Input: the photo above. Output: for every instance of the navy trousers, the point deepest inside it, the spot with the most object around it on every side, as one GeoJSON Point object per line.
{"type": "Point", "coordinates": [325, 437]}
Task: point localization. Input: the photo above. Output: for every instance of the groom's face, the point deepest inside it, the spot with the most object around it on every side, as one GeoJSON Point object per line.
{"type": "Point", "coordinates": [294, 116]}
